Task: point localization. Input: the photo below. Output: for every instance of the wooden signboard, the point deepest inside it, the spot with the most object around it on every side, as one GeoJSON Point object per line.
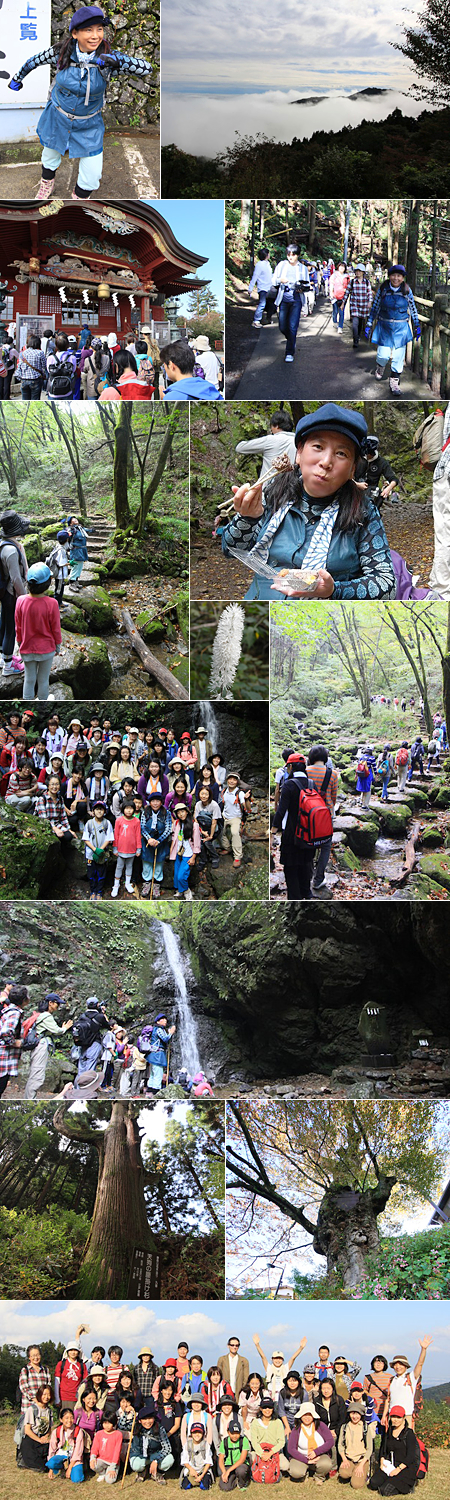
{"type": "Point", "coordinates": [145, 1275]}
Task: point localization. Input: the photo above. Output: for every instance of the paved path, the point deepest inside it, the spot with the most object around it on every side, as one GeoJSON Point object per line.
{"type": "Point", "coordinates": [326, 366]}
{"type": "Point", "coordinates": [130, 169]}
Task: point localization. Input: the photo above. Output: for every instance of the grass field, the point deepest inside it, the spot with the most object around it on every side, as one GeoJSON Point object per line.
{"type": "Point", "coordinates": [15, 1483]}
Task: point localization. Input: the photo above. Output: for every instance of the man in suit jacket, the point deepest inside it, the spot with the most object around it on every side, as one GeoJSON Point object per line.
{"type": "Point", "coordinates": [233, 1367]}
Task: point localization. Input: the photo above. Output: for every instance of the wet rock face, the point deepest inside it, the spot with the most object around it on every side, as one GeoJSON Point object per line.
{"type": "Point", "coordinates": [134, 30]}
{"type": "Point", "coordinates": [294, 984]}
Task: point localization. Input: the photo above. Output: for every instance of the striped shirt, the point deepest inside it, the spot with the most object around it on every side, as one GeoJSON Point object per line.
{"type": "Point", "coordinates": [316, 774]}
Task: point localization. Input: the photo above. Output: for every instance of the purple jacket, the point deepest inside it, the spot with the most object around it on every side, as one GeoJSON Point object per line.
{"type": "Point", "coordinates": [142, 786]}
{"type": "Point", "coordinates": [327, 1444]}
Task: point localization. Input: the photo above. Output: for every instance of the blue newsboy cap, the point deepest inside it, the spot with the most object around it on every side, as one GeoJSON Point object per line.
{"type": "Point", "coordinates": [333, 418]}
{"type": "Point", "coordinates": [86, 13]}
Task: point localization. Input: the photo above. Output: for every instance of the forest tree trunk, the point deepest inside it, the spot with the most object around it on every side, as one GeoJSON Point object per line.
{"type": "Point", "coordinates": [446, 673]}
{"type": "Point", "coordinates": [347, 1230]}
{"type": "Point", "coordinates": [119, 1219]}
{"type": "Point", "coordinates": [121, 450]}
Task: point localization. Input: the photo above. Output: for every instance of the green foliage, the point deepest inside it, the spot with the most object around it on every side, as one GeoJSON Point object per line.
{"type": "Point", "coordinates": [410, 1268]}
{"type": "Point", "coordinates": [395, 157]}
{"type": "Point", "coordinates": [40, 1253]}
{"type": "Point", "coordinates": [433, 1424]}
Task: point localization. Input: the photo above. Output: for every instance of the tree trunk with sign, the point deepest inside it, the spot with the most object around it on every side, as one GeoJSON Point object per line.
{"type": "Point", "coordinates": [347, 1230]}
{"type": "Point", "coordinates": [119, 1219]}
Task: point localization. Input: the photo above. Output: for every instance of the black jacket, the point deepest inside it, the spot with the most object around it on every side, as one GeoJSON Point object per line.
{"type": "Point", "coordinates": [288, 803]}
{"type": "Point", "coordinates": [336, 1415]}
{"type": "Point", "coordinates": [402, 1450]}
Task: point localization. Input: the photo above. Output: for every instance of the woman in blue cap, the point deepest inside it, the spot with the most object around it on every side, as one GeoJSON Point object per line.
{"type": "Point", "coordinates": [38, 631]}
{"type": "Point", "coordinates": [394, 316]}
{"type": "Point", "coordinates": [72, 120]}
{"type": "Point", "coordinates": [314, 518]}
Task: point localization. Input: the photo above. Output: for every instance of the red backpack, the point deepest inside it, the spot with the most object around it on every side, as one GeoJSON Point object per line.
{"type": "Point", "coordinates": [314, 820]}
{"type": "Point", "coordinates": [402, 757]}
{"type": "Point", "coordinates": [266, 1470]}
{"type": "Point", "coordinates": [362, 768]}
{"type": "Point", "coordinates": [424, 1460]}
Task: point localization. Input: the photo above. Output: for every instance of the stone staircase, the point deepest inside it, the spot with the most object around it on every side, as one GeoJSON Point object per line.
{"type": "Point", "coordinates": [99, 533]}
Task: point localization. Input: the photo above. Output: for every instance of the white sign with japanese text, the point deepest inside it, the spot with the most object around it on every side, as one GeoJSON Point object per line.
{"type": "Point", "coordinates": [25, 29]}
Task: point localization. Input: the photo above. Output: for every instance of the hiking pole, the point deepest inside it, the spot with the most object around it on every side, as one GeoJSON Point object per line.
{"type": "Point", "coordinates": [168, 1064]}
{"type": "Point", "coordinates": [153, 875]}
{"type": "Point", "coordinates": [128, 1450]}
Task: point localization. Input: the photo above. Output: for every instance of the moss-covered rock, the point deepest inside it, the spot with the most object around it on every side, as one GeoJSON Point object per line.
{"type": "Point", "coordinates": [345, 859]}
{"type": "Point", "coordinates": [394, 818]}
{"type": "Point", "coordinates": [34, 548]}
{"type": "Point", "coordinates": [363, 837]}
{"type": "Point", "coordinates": [73, 619]}
{"type": "Point", "coordinates": [437, 868]}
{"type": "Point", "coordinates": [415, 797]}
{"type": "Point", "coordinates": [30, 854]}
{"type": "Point", "coordinates": [431, 837]}
{"type": "Point", "coordinates": [421, 887]}
{"type": "Point", "coordinates": [95, 606]}
{"type": "Point", "coordinates": [442, 799]}
{"type": "Point", "coordinates": [150, 627]}
{"type": "Point", "coordinates": [86, 666]}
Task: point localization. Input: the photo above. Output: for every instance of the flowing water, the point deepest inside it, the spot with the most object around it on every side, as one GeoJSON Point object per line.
{"type": "Point", "coordinates": [187, 1031]}
{"type": "Point", "coordinates": [208, 718]}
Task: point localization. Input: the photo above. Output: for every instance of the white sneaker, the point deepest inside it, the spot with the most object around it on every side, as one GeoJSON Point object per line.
{"type": "Point", "coordinates": [129, 888]}
{"type": "Point", "coordinates": [288, 359]}
{"type": "Point", "coordinates": [50, 697]}
{"type": "Point", "coordinates": [99, 1477]}
{"type": "Point", "coordinates": [115, 889]}
{"type": "Point", "coordinates": [188, 896]}
{"type": "Point", "coordinates": [10, 671]}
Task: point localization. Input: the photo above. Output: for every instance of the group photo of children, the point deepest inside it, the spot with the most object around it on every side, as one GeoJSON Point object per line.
{"type": "Point", "coordinates": [352, 293]}
{"type": "Point", "coordinates": [321, 501]}
{"type": "Point", "coordinates": [136, 811]}
{"type": "Point", "coordinates": [228, 1410]}
{"type": "Point", "coordinates": [360, 788]}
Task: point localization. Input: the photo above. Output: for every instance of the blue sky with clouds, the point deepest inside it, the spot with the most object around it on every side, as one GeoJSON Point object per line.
{"type": "Point", "coordinates": [359, 1330]}
{"type": "Point", "coordinates": [288, 46]}
{"type": "Point", "coordinates": [198, 224]}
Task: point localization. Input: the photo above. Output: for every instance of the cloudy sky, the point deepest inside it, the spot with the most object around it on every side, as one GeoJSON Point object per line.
{"type": "Point", "coordinates": [286, 46]}
{"type": "Point", "coordinates": [359, 1329]}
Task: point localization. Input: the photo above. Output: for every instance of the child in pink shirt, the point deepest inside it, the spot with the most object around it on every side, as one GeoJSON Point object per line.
{"type": "Point", "coordinates": [38, 631]}
{"type": "Point", "coordinates": [106, 1448]}
{"type": "Point", "coordinates": [127, 842]}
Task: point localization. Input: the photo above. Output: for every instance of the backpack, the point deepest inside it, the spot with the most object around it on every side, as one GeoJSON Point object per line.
{"type": "Point", "coordinates": [402, 757]}
{"type": "Point", "coordinates": [148, 1041]}
{"type": "Point", "coordinates": [84, 1031]}
{"type": "Point", "coordinates": [314, 820]}
{"type": "Point", "coordinates": [30, 1034]}
{"type": "Point", "coordinates": [61, 380]}
{"type": "Point", "coordinates": [266, 1470]}
{"type": "Point", "coordinates": [362, 768]}
{"type": "Point", "coordinates": [3, 575]}
{"type": "Point", "coordinates": [383, 767]}
{"type": "Point", "coordinates": [424, 1460]}
{"type": "Point", "coordinates": [428, 440]}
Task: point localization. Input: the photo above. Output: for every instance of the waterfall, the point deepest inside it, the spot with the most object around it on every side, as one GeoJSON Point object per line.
{"type": "Point", "coordinates": [208, 718]}
{"type": "Point", "coordinates": [187, 1032]}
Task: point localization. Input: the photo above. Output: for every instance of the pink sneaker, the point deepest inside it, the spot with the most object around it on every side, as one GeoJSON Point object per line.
{"type": "Point", "coordinates": [45, 189]}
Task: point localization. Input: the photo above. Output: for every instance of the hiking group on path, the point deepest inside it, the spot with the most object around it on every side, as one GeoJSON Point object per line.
{"type": "Point", "coordinates": [306, 792]}
{"type": "Point", "coordinates": [381, 307]}
{"type": "Point", "coordinates": [224, 1423]}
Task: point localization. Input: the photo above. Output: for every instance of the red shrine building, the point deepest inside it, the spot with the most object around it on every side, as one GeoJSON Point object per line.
{"type": "Point", "coordinates": [108, 265]}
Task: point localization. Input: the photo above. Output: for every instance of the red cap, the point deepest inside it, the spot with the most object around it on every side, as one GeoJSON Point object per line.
{"type": "Point", "coordinates": [169, 1362]}
{"type": "Point", "coordinates": [185, 736]}
{"type": "Point", "coordinates": [397, 1411]}
{"type": "Point", "coordinates": [295, 759]}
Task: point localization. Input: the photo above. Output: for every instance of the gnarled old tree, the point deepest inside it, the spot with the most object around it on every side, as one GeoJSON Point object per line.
{"type": "Point", "coordinates": [332, 1169]}
{"type": "Point", "coordinates": [119, 1218]}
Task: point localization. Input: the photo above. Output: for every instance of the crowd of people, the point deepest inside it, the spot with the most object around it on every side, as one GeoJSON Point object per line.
{"type": "Point", "coordinates": [311, 525]}
{"type": "Point", "coordinates": [105, 1055]}
{"type": "Point", "coordinates": [30, 615]}
{"type": "Point", "coordinates": [380, 303]}
{"type": "Point", "coordinates": [86, 367]}
{"type": "Point", "coordinates": [224, 1423]}
{"type": "Point", "coordinates": [139, 796]}
{"type": "Point", "coordinates": [306, 792]}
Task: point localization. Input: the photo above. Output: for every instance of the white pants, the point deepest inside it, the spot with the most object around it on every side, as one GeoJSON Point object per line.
{"type": "Point", "coordinates": [89, 171]}
{"type": "Point", "coordinates": [36, 1076]}
{"type": "Point", "coordinates": [440, 572]}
